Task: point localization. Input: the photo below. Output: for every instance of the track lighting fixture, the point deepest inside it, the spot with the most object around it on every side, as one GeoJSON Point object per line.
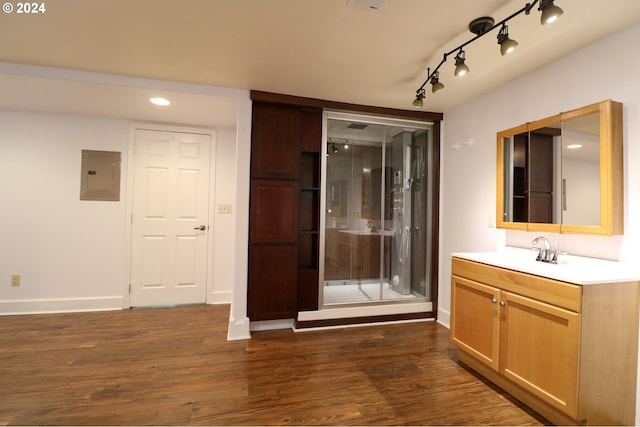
{"type": "Point", "coordinates": [507, 45]}
{"type": "Point", "coordinates": [420, 95]}
{"type": "Point", "coordinates": [461, 67]}
{"type": "Point", "coordinates": [435, 82]}
{"type": "Point", "coordinates": [549, 12]}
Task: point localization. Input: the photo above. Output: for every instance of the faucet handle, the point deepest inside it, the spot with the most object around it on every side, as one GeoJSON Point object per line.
{"type": "Point", "coordinates": [554, 260]}
{"type": "Point", "coordinates": [539, 257]}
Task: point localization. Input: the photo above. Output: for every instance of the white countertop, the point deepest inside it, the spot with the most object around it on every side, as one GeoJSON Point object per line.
{"type": "Point", "coordinates": [570, 268]}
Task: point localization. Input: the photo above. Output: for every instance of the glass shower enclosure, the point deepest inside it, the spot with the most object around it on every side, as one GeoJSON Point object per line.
{"type": "Point", "coordinates": [377, 212]}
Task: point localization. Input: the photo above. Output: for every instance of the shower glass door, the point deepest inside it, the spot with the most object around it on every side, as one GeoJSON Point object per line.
{"type": "Point", "coordinates": [376, 210]}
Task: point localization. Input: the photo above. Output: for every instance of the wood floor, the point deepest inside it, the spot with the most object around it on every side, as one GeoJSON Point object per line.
{"type": "Point", "coordinates": [173, 366]}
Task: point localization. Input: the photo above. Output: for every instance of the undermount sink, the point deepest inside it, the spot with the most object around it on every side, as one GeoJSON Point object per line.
{"type": "Point", "coordinates": [570, 268]}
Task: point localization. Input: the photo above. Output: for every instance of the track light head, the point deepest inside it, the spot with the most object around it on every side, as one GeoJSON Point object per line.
{"type": "Point", "coordinates": [550, 12]}
{"type": "Point", "coordinates": [461, 67]}
{"type": "Point", "coordinates": [419, 101]}
{"type": "Point", "coordinates": [435, 82]}
{"type": "Point", "coordinates": [507, 45]}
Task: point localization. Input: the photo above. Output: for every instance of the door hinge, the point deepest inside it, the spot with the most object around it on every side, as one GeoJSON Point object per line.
{"type": "Point", "coordinates": [129, 287]}
{"type": "Point", "coordinates": [131, 218]}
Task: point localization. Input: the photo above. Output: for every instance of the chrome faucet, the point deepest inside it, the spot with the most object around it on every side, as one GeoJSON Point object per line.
{"type": "Point", "coordinates": [544, 255]}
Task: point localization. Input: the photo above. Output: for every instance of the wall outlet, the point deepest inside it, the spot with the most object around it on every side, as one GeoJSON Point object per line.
{"type": "Point", "coordinates": [15, 280]}
{"type": "Point", "coordinates": [224, 208]}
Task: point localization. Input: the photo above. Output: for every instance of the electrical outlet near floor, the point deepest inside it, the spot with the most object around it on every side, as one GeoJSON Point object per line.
{"type": "Point", "coordinates": [15, 280]}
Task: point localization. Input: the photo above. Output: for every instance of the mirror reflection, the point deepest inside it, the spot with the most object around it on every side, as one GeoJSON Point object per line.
{"type": "Point", "coordinates": [581, 170]}
{"type": "Point", "coordinates": [551, 172]}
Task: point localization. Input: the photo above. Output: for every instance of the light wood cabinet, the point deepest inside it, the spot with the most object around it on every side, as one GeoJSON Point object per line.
{"type": "Point", "coordinates": [475, 319]}
{"type": "Point", "coordinates": [567, 351]}
{"type": "Point", "coordinates": [539, 346]}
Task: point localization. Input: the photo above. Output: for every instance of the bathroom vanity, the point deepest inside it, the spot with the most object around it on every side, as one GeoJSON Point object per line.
{"type": "Point", "coordinates": [561, 338]}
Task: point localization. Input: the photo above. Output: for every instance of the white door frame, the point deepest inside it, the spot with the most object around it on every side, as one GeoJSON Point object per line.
{"type": "Point", "coordinates": [126, 300]}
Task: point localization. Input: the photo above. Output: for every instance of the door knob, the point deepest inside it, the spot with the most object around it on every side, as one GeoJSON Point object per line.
{"type": "Point", "coordinates": [201, 228]}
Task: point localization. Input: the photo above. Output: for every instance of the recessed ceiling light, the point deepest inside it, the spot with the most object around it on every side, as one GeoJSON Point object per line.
{"type": "Point", "coordinates": [573, 146]}
{"type": "Point", "coordinates": [160, 101]}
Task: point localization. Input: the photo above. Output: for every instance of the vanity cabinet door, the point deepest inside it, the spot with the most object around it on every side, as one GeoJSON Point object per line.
{"type": "Point", "coordinates": [475, 320]}
{"type": "Point", "coordinates": [539, 350]}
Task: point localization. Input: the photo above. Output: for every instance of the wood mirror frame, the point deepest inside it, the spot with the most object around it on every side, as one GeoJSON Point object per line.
{"type": "Point", "coordinates": [611, 171]}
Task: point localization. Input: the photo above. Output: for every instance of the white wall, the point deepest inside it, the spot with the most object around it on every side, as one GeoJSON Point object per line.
{"type": "Point", "coordinates": [224, 226]}
{"type": "Point", "coordinates": [604, 70]}
{"type": "Point", "coordinates": [64, 248]}
{"type": "Point", "coordinates": [71, 254]}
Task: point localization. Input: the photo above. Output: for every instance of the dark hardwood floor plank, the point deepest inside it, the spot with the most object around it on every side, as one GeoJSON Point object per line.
{"type": "Point", "coordinates": [174, 366]}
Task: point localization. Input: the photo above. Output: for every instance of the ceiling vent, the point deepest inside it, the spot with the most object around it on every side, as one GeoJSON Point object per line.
{"type": "Point", "coordinates": [373, 5]}
{"type": "Point", "coordinates": [358, 126]}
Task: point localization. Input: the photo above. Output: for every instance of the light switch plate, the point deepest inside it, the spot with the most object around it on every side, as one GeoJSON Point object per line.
{"type": "Point", "coordinates": [224, 208]}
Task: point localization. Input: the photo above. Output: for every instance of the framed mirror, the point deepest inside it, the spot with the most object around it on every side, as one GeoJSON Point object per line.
{"type": "Point", "coordinates": [563, 173]}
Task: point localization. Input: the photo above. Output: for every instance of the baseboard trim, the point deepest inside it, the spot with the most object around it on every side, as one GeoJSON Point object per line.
{"type": "Point", "coordinates": [60, 305]}
{"type": "Point", "coordinates": [444, 318]}
{"type": "Point", "coordinates": [239, 329]}
{"type": "Point", "coordinates": [220, 297]}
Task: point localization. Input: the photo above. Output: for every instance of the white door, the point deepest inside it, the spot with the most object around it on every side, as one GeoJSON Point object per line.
{"type": "Point", "coordinates": [170, 218]}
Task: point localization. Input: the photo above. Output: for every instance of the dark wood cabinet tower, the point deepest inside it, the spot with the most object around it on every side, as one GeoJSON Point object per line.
{"type": "Point", "coordinates": [541, 176]}
{"type": "Point", "coordinates": [284, 212]}
{"type": "Point", "coordinates": [533, 176]}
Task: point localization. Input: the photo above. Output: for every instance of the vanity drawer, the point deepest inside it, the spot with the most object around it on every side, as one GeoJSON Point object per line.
{"type": "Point", "coordinates": [561, 294]}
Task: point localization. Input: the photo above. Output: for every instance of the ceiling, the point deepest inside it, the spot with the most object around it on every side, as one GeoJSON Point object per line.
{"type": "Point", "coordinates": [322, 49]}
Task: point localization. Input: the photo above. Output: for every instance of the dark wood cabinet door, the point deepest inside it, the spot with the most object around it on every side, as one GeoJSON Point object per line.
{"type": "Point", "coordinates": [274, 211]}
{"type": "Point", "coordinates": [273, 278]}
{"type": "Point", "coordinates": [275, 141]}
